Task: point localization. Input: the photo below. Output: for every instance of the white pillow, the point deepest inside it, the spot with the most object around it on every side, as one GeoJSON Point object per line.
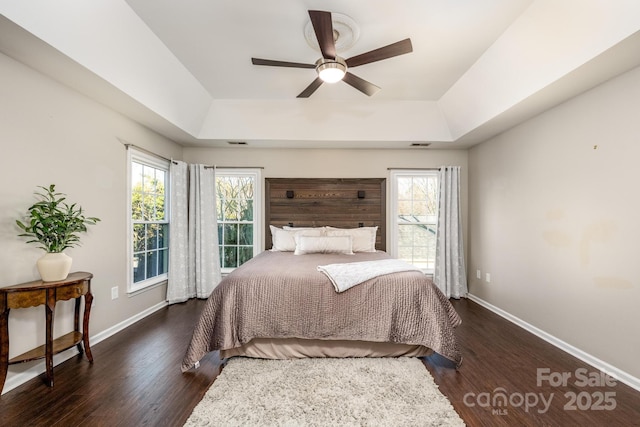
{"type": "Point", "coordinates": [364, 238]}
{"type": "Point", "coordinates": [323, 245]}
{"type": "Point", "coordinates": [283, 240]}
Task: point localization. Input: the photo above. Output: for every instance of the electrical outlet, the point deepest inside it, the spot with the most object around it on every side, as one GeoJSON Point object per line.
{"type": "Point", "coordinates": [478, 274]}
{"type": "Point", "coordinates": [114, 292]}
{"type": "Point", "coordinates": [488, 278]}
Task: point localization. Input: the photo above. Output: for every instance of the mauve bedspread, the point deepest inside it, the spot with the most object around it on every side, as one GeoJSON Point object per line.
{"type": "Point", "coordinates": [281, 295]}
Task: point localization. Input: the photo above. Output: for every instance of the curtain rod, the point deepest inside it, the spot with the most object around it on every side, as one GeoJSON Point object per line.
{"type": "Point", "coordinates": [144, 150]}
{"type": "Point", "coordinates": [414, 169]}
{"type": "Point", "coordinates": [233, 167]}
{"type": "Point", "coordinates": [128, 145]}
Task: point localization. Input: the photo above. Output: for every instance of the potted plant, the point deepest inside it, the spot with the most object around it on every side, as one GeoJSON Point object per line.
{"type": "Point", "coordinates": [54, 226]}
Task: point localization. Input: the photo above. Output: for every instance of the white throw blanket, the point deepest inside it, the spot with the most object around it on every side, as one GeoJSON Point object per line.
{"type": "Point", "coordinates": [347, 275]}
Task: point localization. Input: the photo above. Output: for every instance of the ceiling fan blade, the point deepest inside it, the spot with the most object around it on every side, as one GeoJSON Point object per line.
{"type": "Point", "coordinates": [360, 84]}
{"type": "Point", "coordinates": [323, 27]}
{"type": "Point", "coordinates": [258, 61]}
{"type": "Point", "coordinates": [311, 88]}
{"type": "Point", "coordinates": [394, 49]}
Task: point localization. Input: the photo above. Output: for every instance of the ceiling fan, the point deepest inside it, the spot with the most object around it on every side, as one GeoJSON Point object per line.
{"type": "Point", "coordinates": [331, 68]}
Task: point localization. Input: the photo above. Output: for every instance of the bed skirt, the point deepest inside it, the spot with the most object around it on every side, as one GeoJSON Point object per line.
{"type": "Point", "coordinates": [295, 348]}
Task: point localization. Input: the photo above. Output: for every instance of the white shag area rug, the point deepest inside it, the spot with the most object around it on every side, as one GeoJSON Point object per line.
{"type": "Point", "coordinates": [321, 392]}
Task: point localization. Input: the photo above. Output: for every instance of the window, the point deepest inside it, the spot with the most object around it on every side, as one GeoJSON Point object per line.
{"type": "Point", "coordinates": [414, 217]}
{"type": "Point", "coordinates": [149, 220]}
{"type": "Point", "coordinates": [239, 201]}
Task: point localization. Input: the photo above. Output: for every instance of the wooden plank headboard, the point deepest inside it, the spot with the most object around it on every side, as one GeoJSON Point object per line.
{"type": "Point", "coordinates": [315, 202]}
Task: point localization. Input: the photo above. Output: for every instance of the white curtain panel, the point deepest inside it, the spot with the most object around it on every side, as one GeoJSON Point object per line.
{"type": "Point", "coordinates": [204, 257]}
{"type": "Point", "coordinates": [450, 272]}
{"type": "Point", "coordinates": [178, 289]}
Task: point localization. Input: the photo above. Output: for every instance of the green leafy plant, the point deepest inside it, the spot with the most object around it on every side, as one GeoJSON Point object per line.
{"type": "Point", "coordinates": [52, 223]}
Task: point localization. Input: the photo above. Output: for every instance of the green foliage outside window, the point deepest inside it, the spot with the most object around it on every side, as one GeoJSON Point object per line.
{"type": "Point", "coordinates": [150, 226]}
{"type": "Point", "coordinates": [235, 212]}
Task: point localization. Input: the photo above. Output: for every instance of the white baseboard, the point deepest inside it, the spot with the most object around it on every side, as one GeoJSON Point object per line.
{"type": "Point", "coordinates": [601, 365]}
{"type": "Point", "coordinates": [95, 339]}
{"type": "Point", "coordinates": [39, 368]}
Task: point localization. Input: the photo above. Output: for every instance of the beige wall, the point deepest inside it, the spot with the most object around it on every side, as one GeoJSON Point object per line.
{"type": "Point", "coordinates": [334, 163]}
{"type": "Point", "coordinates": [553, 208]}
{"type": "Point", "coordinates": [52, 135]}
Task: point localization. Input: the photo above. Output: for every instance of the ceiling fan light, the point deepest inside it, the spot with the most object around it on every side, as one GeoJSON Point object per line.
{"type": "Point", "coordinates": [331, 71]}
{"type": "Point", "coordinates": [331, 74]}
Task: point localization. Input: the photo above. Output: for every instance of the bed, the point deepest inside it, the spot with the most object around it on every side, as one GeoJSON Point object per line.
{"type": "Point", "coordinates": [280, 305]}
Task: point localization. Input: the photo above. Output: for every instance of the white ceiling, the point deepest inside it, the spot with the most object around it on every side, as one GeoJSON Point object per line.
{"type": "Point", "coordinates": [183, 68]}
{"type": "Point", "coordinates": [215, 40]}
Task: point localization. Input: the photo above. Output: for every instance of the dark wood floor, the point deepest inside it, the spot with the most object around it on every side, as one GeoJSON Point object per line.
{"type": "Point", "coordinates": [502, 358]}
{"type": "Point", "coordinates": [136, 381]}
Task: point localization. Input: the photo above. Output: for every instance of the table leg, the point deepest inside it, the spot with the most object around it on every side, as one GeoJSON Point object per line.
{"type": "Point", "coordinates": [76, 323]}
{"type": "Point", "coordinates": [50, 307]}
{"type": "Point", "coordinates": [4, 345]}
{"type": "Point", "coordinates": [88, 299]}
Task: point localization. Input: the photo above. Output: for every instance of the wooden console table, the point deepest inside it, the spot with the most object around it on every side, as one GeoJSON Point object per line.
{"type": "Point", "coordinates": [37, 293]}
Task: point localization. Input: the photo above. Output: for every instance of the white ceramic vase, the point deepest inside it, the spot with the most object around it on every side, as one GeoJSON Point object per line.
{"type": "Point", "coordinates": [54, 266]}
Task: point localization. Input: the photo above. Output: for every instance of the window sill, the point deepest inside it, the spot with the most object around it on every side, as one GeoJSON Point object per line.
{"type": "Point", "coordinates": [146, 288]}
